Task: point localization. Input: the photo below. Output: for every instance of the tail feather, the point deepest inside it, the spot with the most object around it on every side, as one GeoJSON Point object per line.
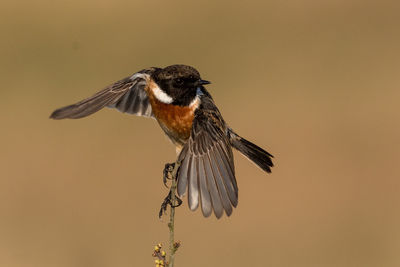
{"type": "Point", "coordinates": [259, 156]}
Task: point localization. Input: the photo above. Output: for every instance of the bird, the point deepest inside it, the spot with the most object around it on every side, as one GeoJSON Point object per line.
{"type": "Point", "coordinates": [176, 97]}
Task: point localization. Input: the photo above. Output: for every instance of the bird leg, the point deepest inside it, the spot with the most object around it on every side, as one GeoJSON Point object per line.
{"type": "Point", "coordinates": [167, 174]}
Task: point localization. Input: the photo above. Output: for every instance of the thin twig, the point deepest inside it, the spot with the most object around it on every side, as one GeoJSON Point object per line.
{"type": "Point", "coordinates": [173, 201]}
{"type": "Point", "coordinates": [173, 246]}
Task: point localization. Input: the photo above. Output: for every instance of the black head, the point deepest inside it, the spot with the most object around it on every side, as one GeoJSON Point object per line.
{"type": "Point", "coordinates": [179, 82]}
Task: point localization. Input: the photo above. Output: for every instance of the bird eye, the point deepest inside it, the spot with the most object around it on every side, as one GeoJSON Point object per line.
{"type": "Point", "coordinates": [179, 81]}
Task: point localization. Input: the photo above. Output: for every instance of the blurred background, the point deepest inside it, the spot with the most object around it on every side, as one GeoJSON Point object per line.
{"type": "Point", "coordinates": [316, 83]}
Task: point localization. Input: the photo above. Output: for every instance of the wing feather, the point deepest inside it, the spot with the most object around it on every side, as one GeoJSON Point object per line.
{"type": "Point", "coordinates": [206, 205]}
{"type": "Point", "coordinates": [212, 186]}
{"type": "Point", "coordinates": [207, 168]}
{"type": "Point", "coordinates": [126, 95]}
{"type": "Point", "coordinates": [183, 175]}
{"type": "Point", "coordinates": [227, 164]}
{"type": "Point", "coordinates": [218, 166]}
{"type": "Point", "coordinates": [193, 187]}
{"type": "Point", "coordinates": [221, 188]}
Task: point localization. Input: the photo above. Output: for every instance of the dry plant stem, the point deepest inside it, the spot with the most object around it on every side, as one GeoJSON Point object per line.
{"type": "Point", "coordinates": [171, 224]}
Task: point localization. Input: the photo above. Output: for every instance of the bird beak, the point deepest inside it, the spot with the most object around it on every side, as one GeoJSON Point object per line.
{"type": "Point", "coordinates": [203, 82]}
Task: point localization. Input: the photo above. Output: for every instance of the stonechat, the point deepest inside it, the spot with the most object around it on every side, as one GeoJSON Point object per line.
{"type": "Point", "coordinates": [175, 96]}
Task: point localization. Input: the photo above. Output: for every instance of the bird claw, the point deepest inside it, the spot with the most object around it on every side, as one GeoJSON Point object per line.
{"type": "Point", "coordinates": [169, 167]}
{"type": "Point", "coordinates": [167, 201]}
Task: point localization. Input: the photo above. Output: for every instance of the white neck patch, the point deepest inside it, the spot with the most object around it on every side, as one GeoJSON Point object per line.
{"type": "Point", "coordinates": [196, 101]}
{"type": "Point", "coordinates": [161, 95]}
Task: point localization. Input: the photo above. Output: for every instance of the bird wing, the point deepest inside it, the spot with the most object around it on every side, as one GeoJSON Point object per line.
{"type": "Point", "coordinates": [207, 169]}
{"type": "Point", "coordinates": [126, 95]}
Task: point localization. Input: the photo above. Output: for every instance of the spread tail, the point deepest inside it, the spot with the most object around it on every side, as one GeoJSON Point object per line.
{"type": "Point", "coordinates": [253, 152]}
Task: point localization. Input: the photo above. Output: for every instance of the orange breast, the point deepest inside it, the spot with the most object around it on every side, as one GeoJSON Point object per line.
{"type": "Point", "coordinates": [176, 121]}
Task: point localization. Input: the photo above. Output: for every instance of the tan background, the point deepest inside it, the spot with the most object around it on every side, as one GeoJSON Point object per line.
{"type": "Point", "coordinates": [316, 83]}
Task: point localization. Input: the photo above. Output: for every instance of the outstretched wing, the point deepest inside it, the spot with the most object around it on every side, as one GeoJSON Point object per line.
{"type": "Point", "coordinates": [127, 95]}
{"type": "Point", "coordinates": [207, 168]}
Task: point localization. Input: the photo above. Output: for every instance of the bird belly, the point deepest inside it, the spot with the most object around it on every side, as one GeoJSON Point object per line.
{"type": "Point", "coordinates": [176, 122]}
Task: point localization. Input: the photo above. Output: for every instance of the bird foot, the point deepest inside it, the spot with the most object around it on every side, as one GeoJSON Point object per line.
{"type": "Point", "coordinates": [169, 167]}
{"type": "Point", "coordinates": [167, 201]}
